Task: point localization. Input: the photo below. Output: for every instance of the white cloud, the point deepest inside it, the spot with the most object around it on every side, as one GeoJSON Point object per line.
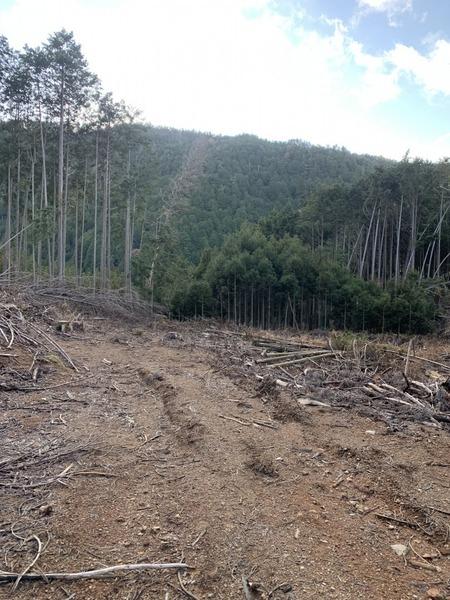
{"type": "Point", "coordinates": [378, 84]}
{"type": "Point", "coordinates": [429, 71]}
{"type": "Point", "coordinates": [387, 5]}
{"type": "Point", "coordinates": [209, 66]}
{"type": "Point", "coordinates": [392, 8]}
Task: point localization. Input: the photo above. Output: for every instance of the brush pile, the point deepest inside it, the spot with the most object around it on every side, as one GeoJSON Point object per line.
{"type": "Point", "coordinates": [374, 377]}
{"type": "Point", "coordinates": [26, 350]}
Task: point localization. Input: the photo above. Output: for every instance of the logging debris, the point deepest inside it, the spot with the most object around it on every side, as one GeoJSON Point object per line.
{"type": "Point", "coordinates": [366, 375]}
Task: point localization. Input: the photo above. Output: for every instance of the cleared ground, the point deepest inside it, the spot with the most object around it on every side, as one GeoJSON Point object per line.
{"type": "Point", "coordinates": [174, 453]}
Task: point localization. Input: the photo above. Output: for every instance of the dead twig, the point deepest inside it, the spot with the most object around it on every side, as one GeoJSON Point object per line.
{"type": "Point", "coordinates": [94, 574]}
{"type": "Point", "coordinates": [396, 520]}
{"type": "Point", "coordinates": [184, 590]}
{"type": "Point", "coordinates": [33, 562]}
{"type": "Point", "coordinates": [235, 420]}
{"type": "Point", "coordinates": [198, 538]}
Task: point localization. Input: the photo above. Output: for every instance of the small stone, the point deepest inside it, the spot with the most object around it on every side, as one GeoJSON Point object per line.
{"type": "Point", "coordinates": [435, 593]}
{"type": "Point", "coordinates": [46, 510]}
{"type": "Point", "coordinates": [400, 549]}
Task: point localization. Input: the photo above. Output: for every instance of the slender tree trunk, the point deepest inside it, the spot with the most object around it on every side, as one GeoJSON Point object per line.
{"type": "Point", "coordinates": [17, 244]}
{"type": "Point", "coordinates": [424, 262]}
{"type": "Point", "coordinates": [44, 192]}
{"type": "Point", "coordinates": [127, 257]}
{"type": "Point", "coordinates": [141, 241]}
{"type": "Point", "coordinates": [411, 259]}
{"type": "Point", "coordinates": [33, 192]}
{"type": "Point", "coordinates": [60, 198]}
{"type": "Point", "coordinates": [23, 236]}
{"type": "Point", "coordinates": [381, 248]}
{"type": "Point", "coordinates": [108, 245]}
{"type": "Point", "coordinates": [363, 257]}
{"type": "Point", "coordinates": [75, 247]}
{"type": "Point", "coordinates": [397, 250]}
{"type": "Point", "coordinates": [65, 212]}
{"type": "Point", "coordinates": [430, 260]}
{"type": "Point", "coordinates": [7, 259]}
{"type": "Point", "coordinates": [374, 246]}
{"type": "Point", "coordinates": [235, 304]}
{"type": "Point", "coordinates": [94, 259]}
{"type": "Point", "coordinates": [83, 216]}
{"type": "Point", "coordinates": [104, 248]}
{"type": "Point", "coordinates": [438, 249]}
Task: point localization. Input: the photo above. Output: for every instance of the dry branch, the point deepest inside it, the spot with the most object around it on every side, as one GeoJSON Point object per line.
{"type": "Point", "coordinates": [304, 359]}
{"type": "Point", "coordinates": [94, 574]}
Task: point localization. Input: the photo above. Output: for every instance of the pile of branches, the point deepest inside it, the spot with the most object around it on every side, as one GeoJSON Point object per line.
{"type": "Point", "coordinates": [368, 377]}
{"type": "Point", "coordinates": [117, 303]}
{"type": "Point", "coordinates": [21, 337]}
{"type": "Point", "coordinates": [110, 303]}
{"type": "Point", "coordinates": [29, 465]}
{"type": "Point", "coordinates": [430, 402]}
{"type": "Point", "coordinates": [353, 377]}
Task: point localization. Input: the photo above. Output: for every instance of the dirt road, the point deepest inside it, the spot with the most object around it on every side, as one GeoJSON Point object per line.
{"type": "Point", "coordinates": [171, 458]}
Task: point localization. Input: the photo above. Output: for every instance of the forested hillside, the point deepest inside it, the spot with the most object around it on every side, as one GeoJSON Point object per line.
{"type": "Point", "coordinates": [258, 232]}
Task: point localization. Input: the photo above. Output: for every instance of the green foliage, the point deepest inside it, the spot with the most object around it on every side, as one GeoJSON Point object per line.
{"type": "Point", "coordinates": [287, 283]}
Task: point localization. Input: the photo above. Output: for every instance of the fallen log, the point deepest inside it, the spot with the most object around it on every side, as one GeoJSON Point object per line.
{"type": "Point", "coordinates": [300, 360]}
{"type": "Point", "coordinates": [300, 353]}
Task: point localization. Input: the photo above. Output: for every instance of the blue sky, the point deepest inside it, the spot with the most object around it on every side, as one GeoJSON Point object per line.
{"type": "Point", "coordinates": [371, 75]}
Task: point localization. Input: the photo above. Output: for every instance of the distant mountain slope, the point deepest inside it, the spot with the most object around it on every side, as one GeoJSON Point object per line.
{"type": "Point", "coordinates": [244, 178]}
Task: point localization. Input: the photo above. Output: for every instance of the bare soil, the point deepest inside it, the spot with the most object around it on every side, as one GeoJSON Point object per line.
{"type": "Point", "coordinates": [175, 455]}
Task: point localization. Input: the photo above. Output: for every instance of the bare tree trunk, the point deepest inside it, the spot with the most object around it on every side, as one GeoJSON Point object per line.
{"type": "Point", "coordinates": [65, 212]}
{"type": "Point", "coordinates": [374, 245]}
{"type": "Point", "coordinates": [411, 261]}
{"type": "Point", "coordinates": [141, 241]}
{"type": "Point", "coordinates": [33, 251]}
{"type": "Point", "coordinates": [104, 247]}
{"type": "Point", "coordinates": [430, 260]}
{"type": "Point", "coordinates": [127, 257]}
{"type": "Point", "coordinates": [235, 299]}
{"type": "Point", "coordinates": [23, 235]}
{"type": "Point", "coordinates": [83, 214]}
{"type": "Point", "coordinates": [397, 250]}
{"type": "Point", "coordinates": [424, 262]}
{"type": "Point", "coordinates": [94, 258]}
{"type": "Point", "coordinates": [108, 244]}
{"type": "Point", "coordinates": [381, 247]}
{"type": "Point", "coordinates": [75, 247]}
{"type": "Point", "coordinates": [17, 258]}
{"type": "Point", "coordinates": [363, 257]}
{"type": "Point", "coordinates": [438, 250]}
{"type": "Point", "coordinates": [60, 198]}
{"type": "Point", "coordinates": [7, 258]}
{"type": "Point", "coordinates": [349, 262]}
